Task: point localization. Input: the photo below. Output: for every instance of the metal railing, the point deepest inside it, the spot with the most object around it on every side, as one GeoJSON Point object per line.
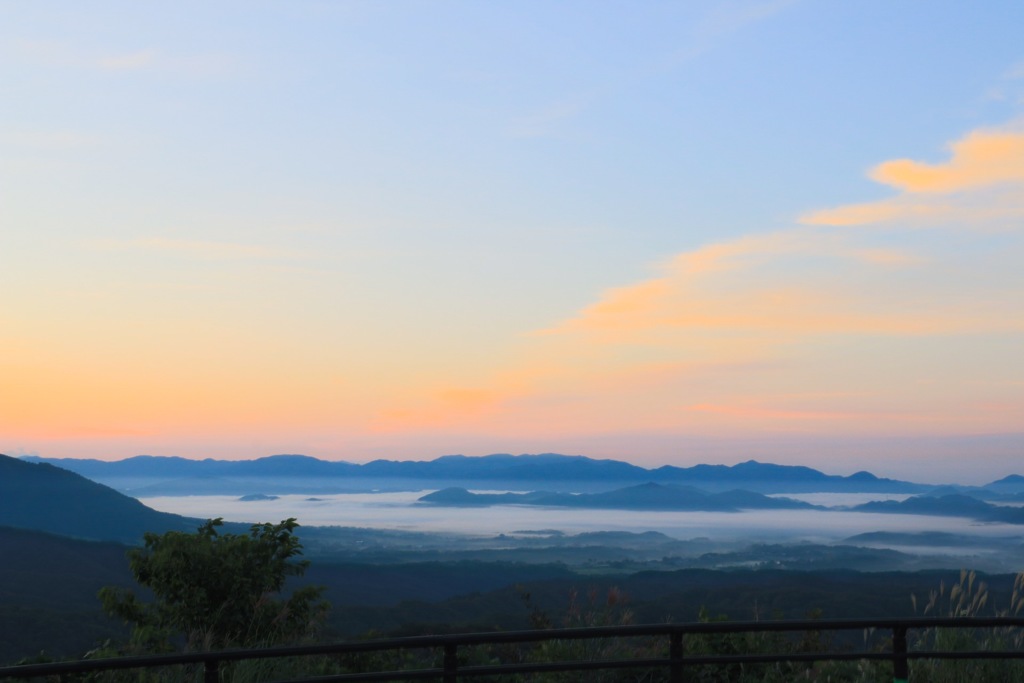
{"type": "Point", "coordinates": [673, 666]}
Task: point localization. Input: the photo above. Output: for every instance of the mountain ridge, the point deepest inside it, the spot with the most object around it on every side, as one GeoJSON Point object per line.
{"type": "Point", "coordinates": [44, 497]}
{"type": "Point", "coordinates": [500, 468]}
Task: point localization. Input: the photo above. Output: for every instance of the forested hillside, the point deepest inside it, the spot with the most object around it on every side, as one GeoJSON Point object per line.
{"type": "Point", "coordinates": [48, 587]}
{"type": "Point", "coordinates": [47, 498]}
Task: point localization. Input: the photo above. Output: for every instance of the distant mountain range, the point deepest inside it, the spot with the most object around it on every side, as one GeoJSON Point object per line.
{"type": "Point", "coordinates": [43, 496]}
{"type": "Point", "coordinates": [154, 475]}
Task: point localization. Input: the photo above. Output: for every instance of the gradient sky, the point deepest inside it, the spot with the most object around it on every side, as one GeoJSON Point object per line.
{"type": "Point", "coordinates": [662, 232]}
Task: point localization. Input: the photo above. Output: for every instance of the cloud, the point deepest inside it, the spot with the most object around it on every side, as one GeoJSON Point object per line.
{"type": "Point", "coordinates": [793, 282]}
{"type": "Point", "coordinates": [66, 55]}
{"type": "Point", "coordinates": [750, 412]}
{"type": "Point", "coordinates": [196, 65]}
{"type": "Point", "coordinates": [49, 140]}
{"type": "Point", "coordinates": [981, 184]}
{"type": "Point", "coordinates": [979, 160]}
{"type": "Point", "coordinates": [803, 330]}
{"type": "Point", "coordinates": [718, 24]}
{"type": "Point", "coordinates": [728, 18]}
{"type": "Point", "coordinates": [132, 61]}
{"type": "Point", "coordinates": [1015, 72]}
{"type": "Point", "coordinates": [546, 122]}
{"type": "Point", "coordinates": [887, 257]}
{"type": "Point", "coordinates": [201, 249]}
{"type": "Point", "coordinates": [441, 407]}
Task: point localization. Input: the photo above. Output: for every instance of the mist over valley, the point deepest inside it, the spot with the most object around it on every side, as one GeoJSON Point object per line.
{"type": "Point", "coordinates": [490, 504]}
{"type": "Point", "coordinates": [422, 549]}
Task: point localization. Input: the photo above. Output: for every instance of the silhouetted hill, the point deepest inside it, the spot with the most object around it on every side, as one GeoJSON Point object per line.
{"type": "Point", "coordinates": [1012, 485]}
{"type": "Point", "coordinates": [253, 497]}
{"type": "Point", "coordinates": [47, 498]}
{"type": "Point", "coordinates": [947, 506]}
{"type": "Point", "coordinates": [1011, 480]}
{"type": "Point", "coordinates": [648, 496]}
{"type": "Point", "coordinates": [496, 471]}
{"type": "Point", "coordinates": [928, 538]}
{"type": "Point", "coordinates": [171, 466]}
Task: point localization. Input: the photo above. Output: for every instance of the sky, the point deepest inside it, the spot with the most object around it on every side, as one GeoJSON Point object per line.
{"type": "Point", "coordinates": [660, 232]}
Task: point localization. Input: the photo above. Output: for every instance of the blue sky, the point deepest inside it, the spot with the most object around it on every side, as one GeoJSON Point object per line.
{"type": "Point", "coordinates": [406, 229]}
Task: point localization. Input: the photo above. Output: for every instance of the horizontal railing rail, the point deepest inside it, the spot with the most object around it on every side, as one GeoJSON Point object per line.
{"type": "Point", "coordinates": [675, 664]}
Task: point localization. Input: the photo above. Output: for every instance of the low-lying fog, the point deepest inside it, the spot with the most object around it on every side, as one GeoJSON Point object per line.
{"type": "Point", "coordinates": [401, 511]}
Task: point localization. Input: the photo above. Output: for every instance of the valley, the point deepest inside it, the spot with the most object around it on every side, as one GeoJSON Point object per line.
{"type": "Point", "coordinates": [402, 559]}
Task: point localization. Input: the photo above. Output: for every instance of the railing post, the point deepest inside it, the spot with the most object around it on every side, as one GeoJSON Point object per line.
{"type": "Point", "coordinates": [675, 653]}
{"type": "Point", "coordinates": [900, 670]}
{"type": "Point", "coordinates": [451, 663]}
{"type": "Point", "coordinates": [211, 671]}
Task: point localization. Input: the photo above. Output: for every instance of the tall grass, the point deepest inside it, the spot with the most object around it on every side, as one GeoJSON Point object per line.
{"type": "Point", "coordinates": [969, 597]}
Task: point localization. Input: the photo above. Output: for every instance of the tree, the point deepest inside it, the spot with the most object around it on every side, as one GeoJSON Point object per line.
{"type": "Point", "coordinates": [215, 590]}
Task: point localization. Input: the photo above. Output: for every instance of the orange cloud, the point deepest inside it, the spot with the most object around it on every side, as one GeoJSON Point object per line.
{"type": "Point", "coordinates": [797, 331]}
{"type": "Point", "coordinates": [772, 283]}
{"type": "Point", "coordinates": [756, 413]}
{"type": "Point", "coordinates": [442, 408]}
{"type": "Point", "coordinates": [983, 181]}
{"type": "Point", "coordinates": [747, 412]}
{"type": "Point", "coordinates": [879, 212]}
{"type": "Point", "coordinates": [887, 257]}
{"type": "Point", "coordinates": [981, 159]}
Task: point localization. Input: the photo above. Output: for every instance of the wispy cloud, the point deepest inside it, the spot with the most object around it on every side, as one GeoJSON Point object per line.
{"type": "Point", "coordinates": [442, 407]}
{"type": "Point", "coordinates": [1015, 72]}
{"type": "Point", "coordinates": [888, 257]}
{"type": "Point", "coordinates": [547, 121]}
{"type": "Point", "coordinates": [131, 61]}
{"type": "Point", "coordinates": [800, 330]}
{"type": "Point", "coordinates": [721, 22]}
{"type": "Point", "coordinates": [713, 27]}
{"type": "Point", "coordinates": [67, 55]}
{"type": "Point", "coordinates": [982, 182]}
{"type": "Point", "coordinates": [760, 283]}
{"type": "Point", "coordinates": [760, 412]}
{"type": "Point", "coordinates": [727, 18]}
{"type": "Point", "coordinates": [204, 65]}
{"type": "Point", "coordinates": [198, 249]}
{"type": "Point", "coordinates": [50, 140]}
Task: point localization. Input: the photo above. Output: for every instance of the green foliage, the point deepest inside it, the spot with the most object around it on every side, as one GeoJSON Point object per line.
{"type": "Point", "coordinates": [216, 590]}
